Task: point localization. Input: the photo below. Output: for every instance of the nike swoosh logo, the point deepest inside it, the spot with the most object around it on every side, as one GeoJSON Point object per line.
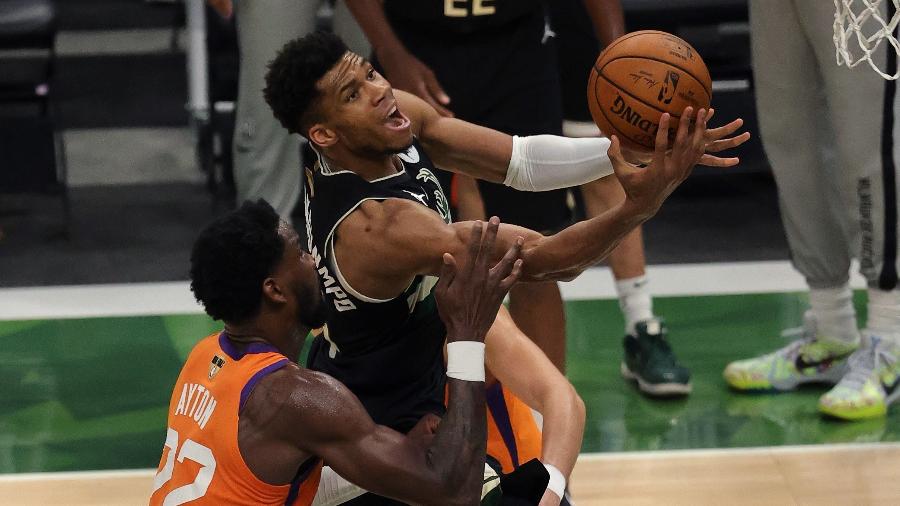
{"type": "Point", "coordinates": [820, 365]}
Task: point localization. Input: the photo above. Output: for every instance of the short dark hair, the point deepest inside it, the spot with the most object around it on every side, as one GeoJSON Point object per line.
{"type": "Point", "coordinates": [291, 79]}
{"type": "Point", "coordinates": [231, 258]}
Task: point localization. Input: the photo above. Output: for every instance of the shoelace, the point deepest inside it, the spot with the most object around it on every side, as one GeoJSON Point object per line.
{"type": "Point", "coordinates": [862, 363]}
{"type": "Point", "coordinates": [667, 357]}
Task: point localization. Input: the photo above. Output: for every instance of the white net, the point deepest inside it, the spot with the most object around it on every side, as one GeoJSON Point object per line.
{"type": "Point", "coordinates": [861, 27]}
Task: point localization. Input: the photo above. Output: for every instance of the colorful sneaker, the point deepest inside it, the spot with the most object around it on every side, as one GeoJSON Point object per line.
{"type": "Point", "coordinates": [869, 387]}
{"type": "Point", "coordinates": [804, 360]}
{"type": "Point", "coordinates": [649, 361]}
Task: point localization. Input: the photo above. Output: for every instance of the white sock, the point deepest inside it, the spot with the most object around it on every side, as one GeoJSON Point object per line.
{"type": "Point", "coordinates": [635, 301]}
{"type": "Point", "coordinates": [834, 313]}
{"type": "Point", "coordinates": [884, 313]}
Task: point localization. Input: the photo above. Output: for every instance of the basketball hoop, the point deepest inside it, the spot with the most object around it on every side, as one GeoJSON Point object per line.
{"type": "Point", "coordinates": [861, 27]}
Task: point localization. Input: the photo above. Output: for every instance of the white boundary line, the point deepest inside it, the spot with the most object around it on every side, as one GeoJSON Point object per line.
{"type": "Point", "coordinates": [584, 457]}
{"type": "Point", "coordinates": [77, 475]}
{"type": "Point", "coordinates": [138, 299]}
{"type": "Point", "coordinates": [755, 450]}
{"type": "Point", "coordinates": [87, 301]}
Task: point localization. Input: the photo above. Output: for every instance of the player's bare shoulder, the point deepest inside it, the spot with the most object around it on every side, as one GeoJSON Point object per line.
{"type": "Point", "coordinates": [381, 221]}
{"type": "Point", "coordinates": [404, 231]}
{"type": "Point", "coordinates": [295, 394]}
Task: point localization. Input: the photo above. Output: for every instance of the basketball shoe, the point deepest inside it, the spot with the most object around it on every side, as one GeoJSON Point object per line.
{"type": "Point", "coordinates": [650, 362]}
{"type": "Point", "coordinates": [872, 382]}
{"type": "Point", "coordinates": [807, 359]}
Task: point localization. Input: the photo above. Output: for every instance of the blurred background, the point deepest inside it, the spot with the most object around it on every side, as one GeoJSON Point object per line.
{"type": "Point", "coordinates": [109, 164]}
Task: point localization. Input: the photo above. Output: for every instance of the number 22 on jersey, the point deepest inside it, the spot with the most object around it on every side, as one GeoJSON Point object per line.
{"type": "Point", "coordinates": [190, 450]}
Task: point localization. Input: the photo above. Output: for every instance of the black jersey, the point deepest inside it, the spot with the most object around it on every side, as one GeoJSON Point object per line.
{"type": "Point", "coordinates": [458, 16]}
{"type": "Point", "coordinates": [388, 352]}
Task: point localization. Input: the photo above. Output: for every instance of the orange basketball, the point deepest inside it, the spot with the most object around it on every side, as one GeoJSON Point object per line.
{"type": "Point", "coordinates": [640, 76]}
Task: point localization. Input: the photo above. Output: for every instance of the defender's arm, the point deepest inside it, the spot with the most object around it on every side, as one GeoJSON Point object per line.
{"type": "Point", "coordinates": [524, 369]}
{"type": "Point", "coordinates": [322, 417]}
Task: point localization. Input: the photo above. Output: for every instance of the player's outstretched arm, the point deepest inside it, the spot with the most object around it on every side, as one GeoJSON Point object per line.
{"type": "Point", "coordinates": [329, 421]}
{"type": "Point", "coordinates": [413, 236]}
{"type": "Point", "coordinates": [526, 371]}
{"type": "Point", "coordinates": [532, 163]}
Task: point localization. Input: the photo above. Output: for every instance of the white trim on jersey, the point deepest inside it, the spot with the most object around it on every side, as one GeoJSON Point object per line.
{"type": "Point", "coordinates": [385, 178]}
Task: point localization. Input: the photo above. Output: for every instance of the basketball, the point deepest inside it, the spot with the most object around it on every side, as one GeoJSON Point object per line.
{"type": "Point", "coordinates": [637, 78]}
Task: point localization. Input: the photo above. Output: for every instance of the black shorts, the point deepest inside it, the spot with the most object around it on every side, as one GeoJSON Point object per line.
{"type": "Point", "coordinates": [506, 79]}
{"type": "Point", "coordinates": [578, 49]}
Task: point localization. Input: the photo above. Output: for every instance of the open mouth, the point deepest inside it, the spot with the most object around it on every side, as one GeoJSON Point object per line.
{"type": "Point", "coordinates": [396, 120]}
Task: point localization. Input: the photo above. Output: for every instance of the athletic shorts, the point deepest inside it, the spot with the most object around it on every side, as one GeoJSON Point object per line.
{"type": "Point", "coordinates": [578, 49]}
{"type": "Point", "coordinates": [505, 79]}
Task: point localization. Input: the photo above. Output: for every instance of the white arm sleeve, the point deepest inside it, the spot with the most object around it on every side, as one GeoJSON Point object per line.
{"type": "Point", "coordinates": [548, 162]}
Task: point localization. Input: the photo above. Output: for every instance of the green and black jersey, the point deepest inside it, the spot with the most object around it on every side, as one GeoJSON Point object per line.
{"type": "Point", "coordinates": [388, 352]}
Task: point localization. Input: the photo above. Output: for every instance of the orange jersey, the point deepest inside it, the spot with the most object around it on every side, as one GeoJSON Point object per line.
{"type": "Point", "coordinates": [201, 462]}
{"type": "Point", "coordinates": [513, 436]}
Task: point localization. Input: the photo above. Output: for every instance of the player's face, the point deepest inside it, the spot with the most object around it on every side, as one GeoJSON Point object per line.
{"type": "Point", "coordinates": [301, 279]}
{"type": "Point", "coordinates": [359, 106]}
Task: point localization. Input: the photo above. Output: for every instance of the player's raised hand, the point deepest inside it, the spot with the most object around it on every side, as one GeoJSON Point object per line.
{"type": "Point", "coordinates": [717, 140]}
{"type": "Point", "coordinates": [647, 188]}
{"type": "Point", "coordinates": [469, 297]}
{"type": "Point", "coordinates": [408, 73]}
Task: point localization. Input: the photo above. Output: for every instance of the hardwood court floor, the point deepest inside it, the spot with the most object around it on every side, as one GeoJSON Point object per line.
{"type": "Point", "coordinates": [825, 475]}
{"type": "Point", "coordinates": [855, 475]}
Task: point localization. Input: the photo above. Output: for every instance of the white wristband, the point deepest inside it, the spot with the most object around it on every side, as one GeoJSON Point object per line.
{"type": "Point", "coordinates": [557, 483]}
{"type": "Point", "coordinates": [465, 360]}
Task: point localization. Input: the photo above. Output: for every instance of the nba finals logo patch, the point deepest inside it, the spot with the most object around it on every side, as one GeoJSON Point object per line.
{"type": "Point", "coordinates": [215, 365]}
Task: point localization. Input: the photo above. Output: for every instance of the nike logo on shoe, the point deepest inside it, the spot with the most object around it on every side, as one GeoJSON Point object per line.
{"type": "Point", "coordinates": [821, 365]}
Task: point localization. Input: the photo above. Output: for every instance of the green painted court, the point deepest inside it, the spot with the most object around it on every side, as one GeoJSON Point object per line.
{"type": "Point", "coordinates": [91, 393]}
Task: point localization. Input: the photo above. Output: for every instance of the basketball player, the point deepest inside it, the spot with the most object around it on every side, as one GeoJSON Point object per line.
{"type": "Point", "coordinates": [376, 215]}
{"type": "Point", "coordinates": [247, 425]}
{"type": "Point", "coordinates": [512, 83]}
{"type": "Point", "coordinates": [829, 132]}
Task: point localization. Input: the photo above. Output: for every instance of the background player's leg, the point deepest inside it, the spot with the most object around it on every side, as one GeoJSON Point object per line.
{"type": "Point", "coordinates": [653, 361]}
{"type": "Point", "coordinates": [266, 156]}
{"type": "Point", "coordinates": [861, 108]}
{"type": "Point", "coordinates": [794, 133]}
{"type": "Point", "coordinates": [467, 199]}
{"type": "Point", "coordinates": [788, 96]}
{"type": "Point", "coordinates": [648, 357]}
